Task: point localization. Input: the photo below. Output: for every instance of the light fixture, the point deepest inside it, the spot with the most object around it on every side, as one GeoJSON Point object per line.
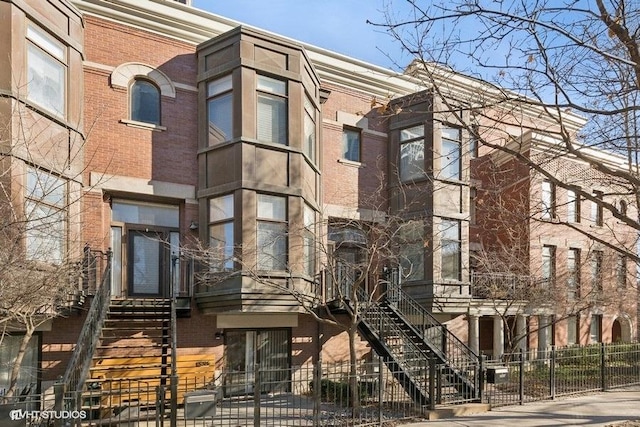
{"type": "Point", "coordinates": [193, 225]}
{"type": "Point", "coordinates": [218, 335]}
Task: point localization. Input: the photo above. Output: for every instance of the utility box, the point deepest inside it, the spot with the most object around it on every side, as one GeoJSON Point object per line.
{"type": "Point", "coordinates": [200, 404]}
{"type": "Point", "coordinates": [497, 375]}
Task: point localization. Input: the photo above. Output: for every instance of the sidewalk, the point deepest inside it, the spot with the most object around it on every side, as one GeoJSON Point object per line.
{"type": "Point", "coordinates": [611, 408]}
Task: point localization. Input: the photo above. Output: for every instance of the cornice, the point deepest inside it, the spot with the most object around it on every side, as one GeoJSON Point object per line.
{"type": "Point", "coordinates": [193, 26]}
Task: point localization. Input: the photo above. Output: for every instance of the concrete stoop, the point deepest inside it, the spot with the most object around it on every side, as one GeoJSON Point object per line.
{"type": "Point", "coordinates": [458, 411]}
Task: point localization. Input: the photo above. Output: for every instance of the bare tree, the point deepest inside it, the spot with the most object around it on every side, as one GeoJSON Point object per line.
{"type": "Point", "coordinates": [40, 255]}
{"type": "Point", "coordinates": [570, 72]}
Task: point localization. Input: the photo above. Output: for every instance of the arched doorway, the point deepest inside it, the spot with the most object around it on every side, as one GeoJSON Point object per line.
{"type": "Point", "coordinates": [616, 331]}
{"type": "Point", "coordinates": [621, 329]}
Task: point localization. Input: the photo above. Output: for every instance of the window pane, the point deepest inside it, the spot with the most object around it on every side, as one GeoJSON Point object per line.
{"type": "Point", "coordinates": [221, 208]}
{"type": "Point", "coordinates": [351, 145]}
{"type": "Point", "coordinates": [220, 119]}
{"type": "Point", "coordinates": [272, 207]}
{"type": "Point", "coordinates": [28, 374]}
{"type": "Point", "coordinates": [309, 143]}
{"type": "Point", "coordinates": [452, 134]}
{"type": "Point", "coordinates": [219, 86]}
{"type": "Point", "coordinates": [272, 119]}
{"type": "Point", "coordinates": [149, 214]}
{"type": "Point", "coordinates": [45, 233]}
{"type": "Point", "coordinates": [43, 40]}
{"type": "Point", "coordinates": [412, 133]}
{"type": "Point", "coordinates": [45, 80]}
{"type": "Point", "coordinates": [572, 330]}
{"type": "Point", "coordinates": [412, 251]}
{"type": "Point", "coordinates": [450, 162]}
{"type": "Point", "coordinates": [145, 102]}
{"type": "Point", "coordinates": [272, 246]}
{"type": "Point", "coordinates": [412, 160]}
{"type": "Point", "coordinates": [450, 249]}
{"type": "Point", "coordinates": [221, 246]}
{"type": "Point", "coordinates": [267, 84]}
{"type": "Point", "coordinates": [45, 187]}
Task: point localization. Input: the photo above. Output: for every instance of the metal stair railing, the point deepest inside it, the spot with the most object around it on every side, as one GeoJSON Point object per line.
{"type": "Point", "coordinates": [78, 367]}
{"type": "Point", "coordinates": [448, 347]}
{"type": "Point", "coordinates": [411, 362]}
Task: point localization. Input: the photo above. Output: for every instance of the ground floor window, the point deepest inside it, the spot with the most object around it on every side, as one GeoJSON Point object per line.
{"type": "Point", "coordinates": [28, 375]}
{"type": "Point", "coordinates": [265, 350]}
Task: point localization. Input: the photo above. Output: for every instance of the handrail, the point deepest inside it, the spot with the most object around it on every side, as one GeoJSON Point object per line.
{"type": "Point", "coordinates": [78, 367]}
{"type": "Point", "coordinates": [443, 342]}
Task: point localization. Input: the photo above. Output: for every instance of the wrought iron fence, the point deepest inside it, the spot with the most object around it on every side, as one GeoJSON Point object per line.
{"type": "Point", "coordinates": [536, 375]}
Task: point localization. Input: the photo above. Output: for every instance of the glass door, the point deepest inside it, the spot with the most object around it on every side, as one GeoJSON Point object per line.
{"type": "Point", "coordinates": [146, 263]}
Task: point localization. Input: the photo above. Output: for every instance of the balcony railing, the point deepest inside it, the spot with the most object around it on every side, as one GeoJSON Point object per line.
{"type": "Point", "coordinates": [505, 286]}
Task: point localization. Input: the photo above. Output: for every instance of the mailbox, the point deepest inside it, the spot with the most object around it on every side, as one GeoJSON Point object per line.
{"type": "Point", "coordinates": [200, 404]}
{"type": "Point", "coordinates": [497, 375]}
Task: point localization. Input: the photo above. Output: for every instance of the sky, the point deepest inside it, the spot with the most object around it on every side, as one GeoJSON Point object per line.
{"type": "Point", "coordinates": [337, 25]}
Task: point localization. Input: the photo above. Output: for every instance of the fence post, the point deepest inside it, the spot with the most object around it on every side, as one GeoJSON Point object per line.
{"type": "Point", "coordinates": [481, 381]}
{"type": "Point", "coordinates": [256, 395]}
{"type": "Point", "coordinates": [603, 367]}
{"type": "Point", "coordinates": [317, 377]}
{"type": "Point", "coordinates": [521, 377]}
{"type": "Point", "coordinates": [552, 373]}
{"type": "Point", "coordinates": [380, 389]}
{"type": "Point", "coordinates": [432, 383]}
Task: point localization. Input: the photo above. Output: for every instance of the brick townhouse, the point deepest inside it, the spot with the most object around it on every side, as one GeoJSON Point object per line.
{"type": "Point", "coordinates": [193, 128]}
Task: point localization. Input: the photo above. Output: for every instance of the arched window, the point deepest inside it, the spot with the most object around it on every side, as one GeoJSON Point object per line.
{"type": "Point", "coordinates": [145, 102]}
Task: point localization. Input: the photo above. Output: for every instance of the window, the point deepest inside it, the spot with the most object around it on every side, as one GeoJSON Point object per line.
{"type": "Point", "coordinates": [621, 271]}
{"type": "Point", "coordinates": [595, 329]}
{"type": "Point", "coordinates": [28, 375]}
{"type": "Point", "coordinates": [272, 110]}
{"type": "Point", "coordinates": [596, 271]}
{"type": "Point", "coordinates": [411, 254]}
{"type": "Point", "coordinates": [220, 110]}
{"type": "Point", "coordinates": [573, 206]}
{"type": "Point", "coordinates": [450, 161]}
{"type": "Point", "coordinates": [548, 200]}
{"type": "Point", "coordinates": [45, 203]}
{"type": "Point", "coordinates": [309, 143]}
{"type": "Point", "coordinates": [596, 208]}
{"type": "Point", "coordinates": [351, 144]}
{"type": "Point", "coordinates": [221, 238]}
{"type": "Point", "coordinates": [272, 232]}
{"type": "Point", "coordinates": [549, 265]}
{"type": "Point", "coordinates": [572, 330]}
{"type": "Point", "coordinates": [46, 71]}
{"type": "Point", "coordinates": [573, 273]}
{"type": "Point", "coordinates": [451, 245]}
{"type": "Point", "coordinates": [309, 240]}
{"type": "Point", "coordinates": [412, 153]}
{"type": "Point", "coordinates": [145, 102]}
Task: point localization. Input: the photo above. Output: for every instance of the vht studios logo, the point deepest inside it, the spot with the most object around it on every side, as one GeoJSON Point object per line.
{"type": "Point", "coordinates": [19, 414]}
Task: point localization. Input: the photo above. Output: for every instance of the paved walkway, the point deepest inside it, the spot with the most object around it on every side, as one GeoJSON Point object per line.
{"type": "Point", "coordinates": [610, 408]}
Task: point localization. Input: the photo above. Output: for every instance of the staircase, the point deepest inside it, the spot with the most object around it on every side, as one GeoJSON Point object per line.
{"type": "Point", "coordinates": [419, 351]}
{"type": "Point", "coordinates": [131, 366]}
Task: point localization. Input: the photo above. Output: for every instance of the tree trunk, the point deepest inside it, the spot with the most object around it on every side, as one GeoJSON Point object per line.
{"type": "Point", "coordinates": [353, 370]}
